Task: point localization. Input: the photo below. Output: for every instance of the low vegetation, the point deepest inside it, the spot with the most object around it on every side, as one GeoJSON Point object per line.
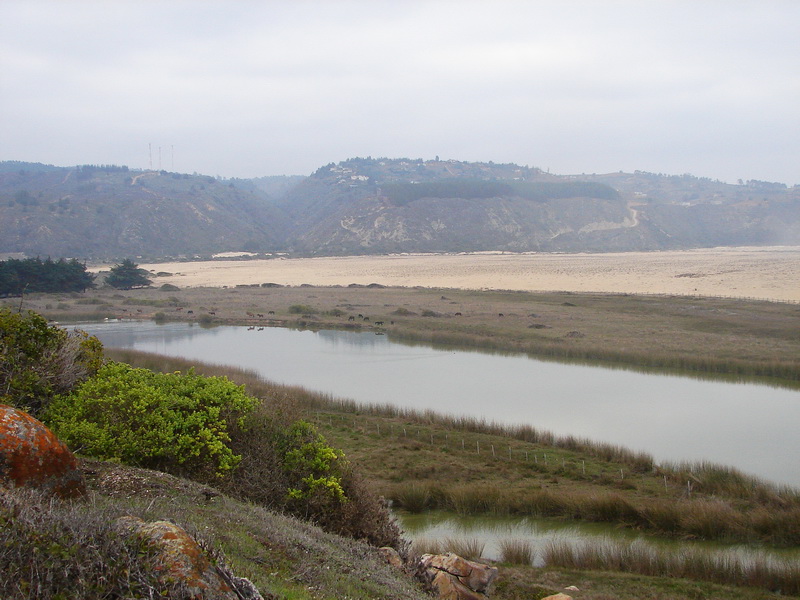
{"type": "Point", "coordinates": [704, 337]}
{"type": "Point", "coordinates": [311, 456]}
{"type": "Point", "coordinates": [424, 460]}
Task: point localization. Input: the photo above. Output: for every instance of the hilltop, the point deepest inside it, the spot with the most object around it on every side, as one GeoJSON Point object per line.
{"type": "Point", "coordinates": [378, 206]}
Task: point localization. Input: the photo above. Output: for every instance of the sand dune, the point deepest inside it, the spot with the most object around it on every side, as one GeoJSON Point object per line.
{"type": "Point", "coordinates": [760, 272]}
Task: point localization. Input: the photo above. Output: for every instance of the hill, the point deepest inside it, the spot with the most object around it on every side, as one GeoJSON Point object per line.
{"type": "Point", "coordinates": [372, 206]}
{"type": "Point", "coordinates": [103, 212]}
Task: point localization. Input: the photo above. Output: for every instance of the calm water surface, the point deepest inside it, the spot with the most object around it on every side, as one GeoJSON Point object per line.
{"type": "Point", "coordinates": [753, 427]}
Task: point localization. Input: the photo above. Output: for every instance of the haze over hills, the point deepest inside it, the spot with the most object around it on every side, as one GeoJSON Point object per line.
{"type": "Point", "coordinates": [369, 206]}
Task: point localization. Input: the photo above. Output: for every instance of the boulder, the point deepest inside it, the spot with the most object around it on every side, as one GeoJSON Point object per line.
{"type": "Point", "coordinates": [455, 578]}
{"type": "Point", "coordinates": [183, 560]}
{"type": "Point", "coordinates": [32, 456]}
{"type": "Point", "coordinates": [558, 597]}
{"type": "Point", "coordinates": [392, 557]}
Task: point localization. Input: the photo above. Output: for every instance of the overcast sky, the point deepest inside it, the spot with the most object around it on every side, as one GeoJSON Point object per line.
{"type": "Point", "coordinates": [245, 89]}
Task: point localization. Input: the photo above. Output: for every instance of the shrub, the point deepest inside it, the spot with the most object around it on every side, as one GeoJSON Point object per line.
{"type": "Point", "coordinates": [40, 361]}
{"type": "Point", "coordinates": [55, 551]}
{"type": "Point", "coordinates": [168, 287]}
{"type": "Point", "coordinates": [313, 467]}
{"type": "Point", "coordinates": [298, 309]}
{"type": "Point", "coordinates": [171, 422]}
{"type": "Point", "coordinates": [291, 467]}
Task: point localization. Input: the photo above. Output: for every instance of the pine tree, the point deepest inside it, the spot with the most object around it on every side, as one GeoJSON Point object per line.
{"type": "Point", "coordinates": [127, 275]}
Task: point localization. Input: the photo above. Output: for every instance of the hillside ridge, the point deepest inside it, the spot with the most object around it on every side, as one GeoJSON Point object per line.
{"type": "Point", "coordinates": [378, 206]}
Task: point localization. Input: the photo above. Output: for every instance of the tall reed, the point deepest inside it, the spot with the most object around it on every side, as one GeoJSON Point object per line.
{"type": "Point", "coordinates": [758, 570]}
{"type": "Point", "coordinates": [516, 551]}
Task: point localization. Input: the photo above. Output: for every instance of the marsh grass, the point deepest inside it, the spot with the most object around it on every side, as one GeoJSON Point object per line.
{"type": "Point", "coordinates": [756, 570]}
{"type": "Point", "coordinates": [725, 504]}
{"type": "Point", "coordinates": [516, 551]}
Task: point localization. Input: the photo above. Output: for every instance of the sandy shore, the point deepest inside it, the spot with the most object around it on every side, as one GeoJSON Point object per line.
{"type": "Point", "coordinates": [758, 272]}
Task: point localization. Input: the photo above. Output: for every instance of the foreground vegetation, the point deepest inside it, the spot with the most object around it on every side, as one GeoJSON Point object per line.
{"type": "Point", "coordinates": [703, 336]}
{"type": "Point", "coordinates": [423, 460]}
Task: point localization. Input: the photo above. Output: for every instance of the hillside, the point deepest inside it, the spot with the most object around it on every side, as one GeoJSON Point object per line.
{"type": "Point", "coordinates": [371, 206]}
{"type": "Point", "coordinates": [110, 212]}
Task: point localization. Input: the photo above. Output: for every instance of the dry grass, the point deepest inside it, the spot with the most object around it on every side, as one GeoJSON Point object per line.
{"type": "Point", "coordinates": [757, 570]}
{"type": "Point", "coordinates": [516, 551]}
{"type": "Point", "coordinates": [706, 336]}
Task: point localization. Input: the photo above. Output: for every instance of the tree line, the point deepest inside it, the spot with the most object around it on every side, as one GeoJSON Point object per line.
{"type": "Point", "coordinates": [29, 275]}
{"type": "Point", "coordinates": [20, 276]}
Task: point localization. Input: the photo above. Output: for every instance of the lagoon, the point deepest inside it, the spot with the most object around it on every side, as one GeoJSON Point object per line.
{"type": "Point", "coordinates": [750, 426]}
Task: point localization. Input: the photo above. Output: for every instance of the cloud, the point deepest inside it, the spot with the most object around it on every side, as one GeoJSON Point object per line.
{"type": "Point", "coordinates": [254, 88]}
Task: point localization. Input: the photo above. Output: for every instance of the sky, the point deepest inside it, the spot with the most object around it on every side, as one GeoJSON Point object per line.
{"type": "Point", "coordinates": [248, 89]}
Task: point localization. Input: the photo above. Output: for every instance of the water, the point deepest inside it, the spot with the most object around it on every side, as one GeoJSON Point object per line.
{"type": "Point", "coordinates": [752, 427]}
{"type": "Point", "coordinates": [491, 531]}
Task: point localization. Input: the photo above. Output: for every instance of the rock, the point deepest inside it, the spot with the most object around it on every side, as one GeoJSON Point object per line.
{"type": "Point", "coordinates": [558, 597]}
{"type": "Point", "coordinates": [32, 456]}
{"type": "Point", "coordinates": [391, 556]}
{"type": "Point", "coordinates": [183, 560]}
{"type": "Point", "coordinates": [455, 578]}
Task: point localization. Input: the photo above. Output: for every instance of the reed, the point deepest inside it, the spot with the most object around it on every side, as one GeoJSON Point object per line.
{"type": "Point", "coordinates": [757, 570]}
{"type": "Point", "coordinates": [414, 498]}
{"type": "Point", "coordinates": [423, 545]}
{"type": "Point", "coordinates": [469, 548]}
{"type": "Point", "coordinates": [516, 551]}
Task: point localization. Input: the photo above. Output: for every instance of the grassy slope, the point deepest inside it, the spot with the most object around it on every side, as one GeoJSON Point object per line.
{"type": "Point", "coordinates": [294, 560]}
{"type": "Point", "coordinates": [280, 555]}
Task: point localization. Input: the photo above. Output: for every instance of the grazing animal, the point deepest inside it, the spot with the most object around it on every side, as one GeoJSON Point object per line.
{"type": "Point", "coordinates": [378, 322]}
{"type": "Point", "coordinates": [458, 314]}
{"type": "Point", "coordinates": [251, 328]}
{"type": "Point", "coordinates": [260, 316]}
{"type": "Point", "coordinates": [261, 329]}
{"type": "Point", "coordinates": [211, 312]}
{"type": "Point", "coordinates": [249, 314]}
{"type": "Point", "coordinates": [179, 308]}
{"type": "Point", "coordinates": [351, 318]}
{"type": "Point", "coordinates": [366, 318]}
{"type": "Point", "coordinates": [501, 315]}
{"type": "Point", "coordinates": [272, 312]}
{"type": "Point", "coordinates": [189, 312]}
{"type": "Point", "coordinates": [138, 310]}
{"type": "Point", "coordinates": [360, 316]}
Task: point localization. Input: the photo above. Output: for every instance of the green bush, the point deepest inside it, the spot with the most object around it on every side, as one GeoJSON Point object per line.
{"type": "Point", "coordinates": [298, 309]}
{"type": "Point", "coordinates": [290, 467]}
{"type": "Point", "coordinates": [39, 361]}
{"type": "Point", "coordinates": [314, 468]}
{"type": "Point", "coordinates": [172, 422]}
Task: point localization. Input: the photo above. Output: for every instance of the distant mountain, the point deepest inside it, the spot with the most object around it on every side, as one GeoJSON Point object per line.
{"type": "Point", "coordinates": [365, 205]}
{"type": "Point", "coordinates": [102, 212]}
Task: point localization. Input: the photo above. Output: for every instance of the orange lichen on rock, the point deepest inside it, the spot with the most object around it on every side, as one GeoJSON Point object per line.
{"type": "Point", "coordinates": [32, 456]}
{"type": "Point", "coordinates": [181, 559]}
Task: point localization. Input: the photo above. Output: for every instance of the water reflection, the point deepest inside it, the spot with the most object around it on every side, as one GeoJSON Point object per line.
{"type": "Point", "coordinates": [752, 427]}
{"type": "Point", "coordinates": [490, 531]}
